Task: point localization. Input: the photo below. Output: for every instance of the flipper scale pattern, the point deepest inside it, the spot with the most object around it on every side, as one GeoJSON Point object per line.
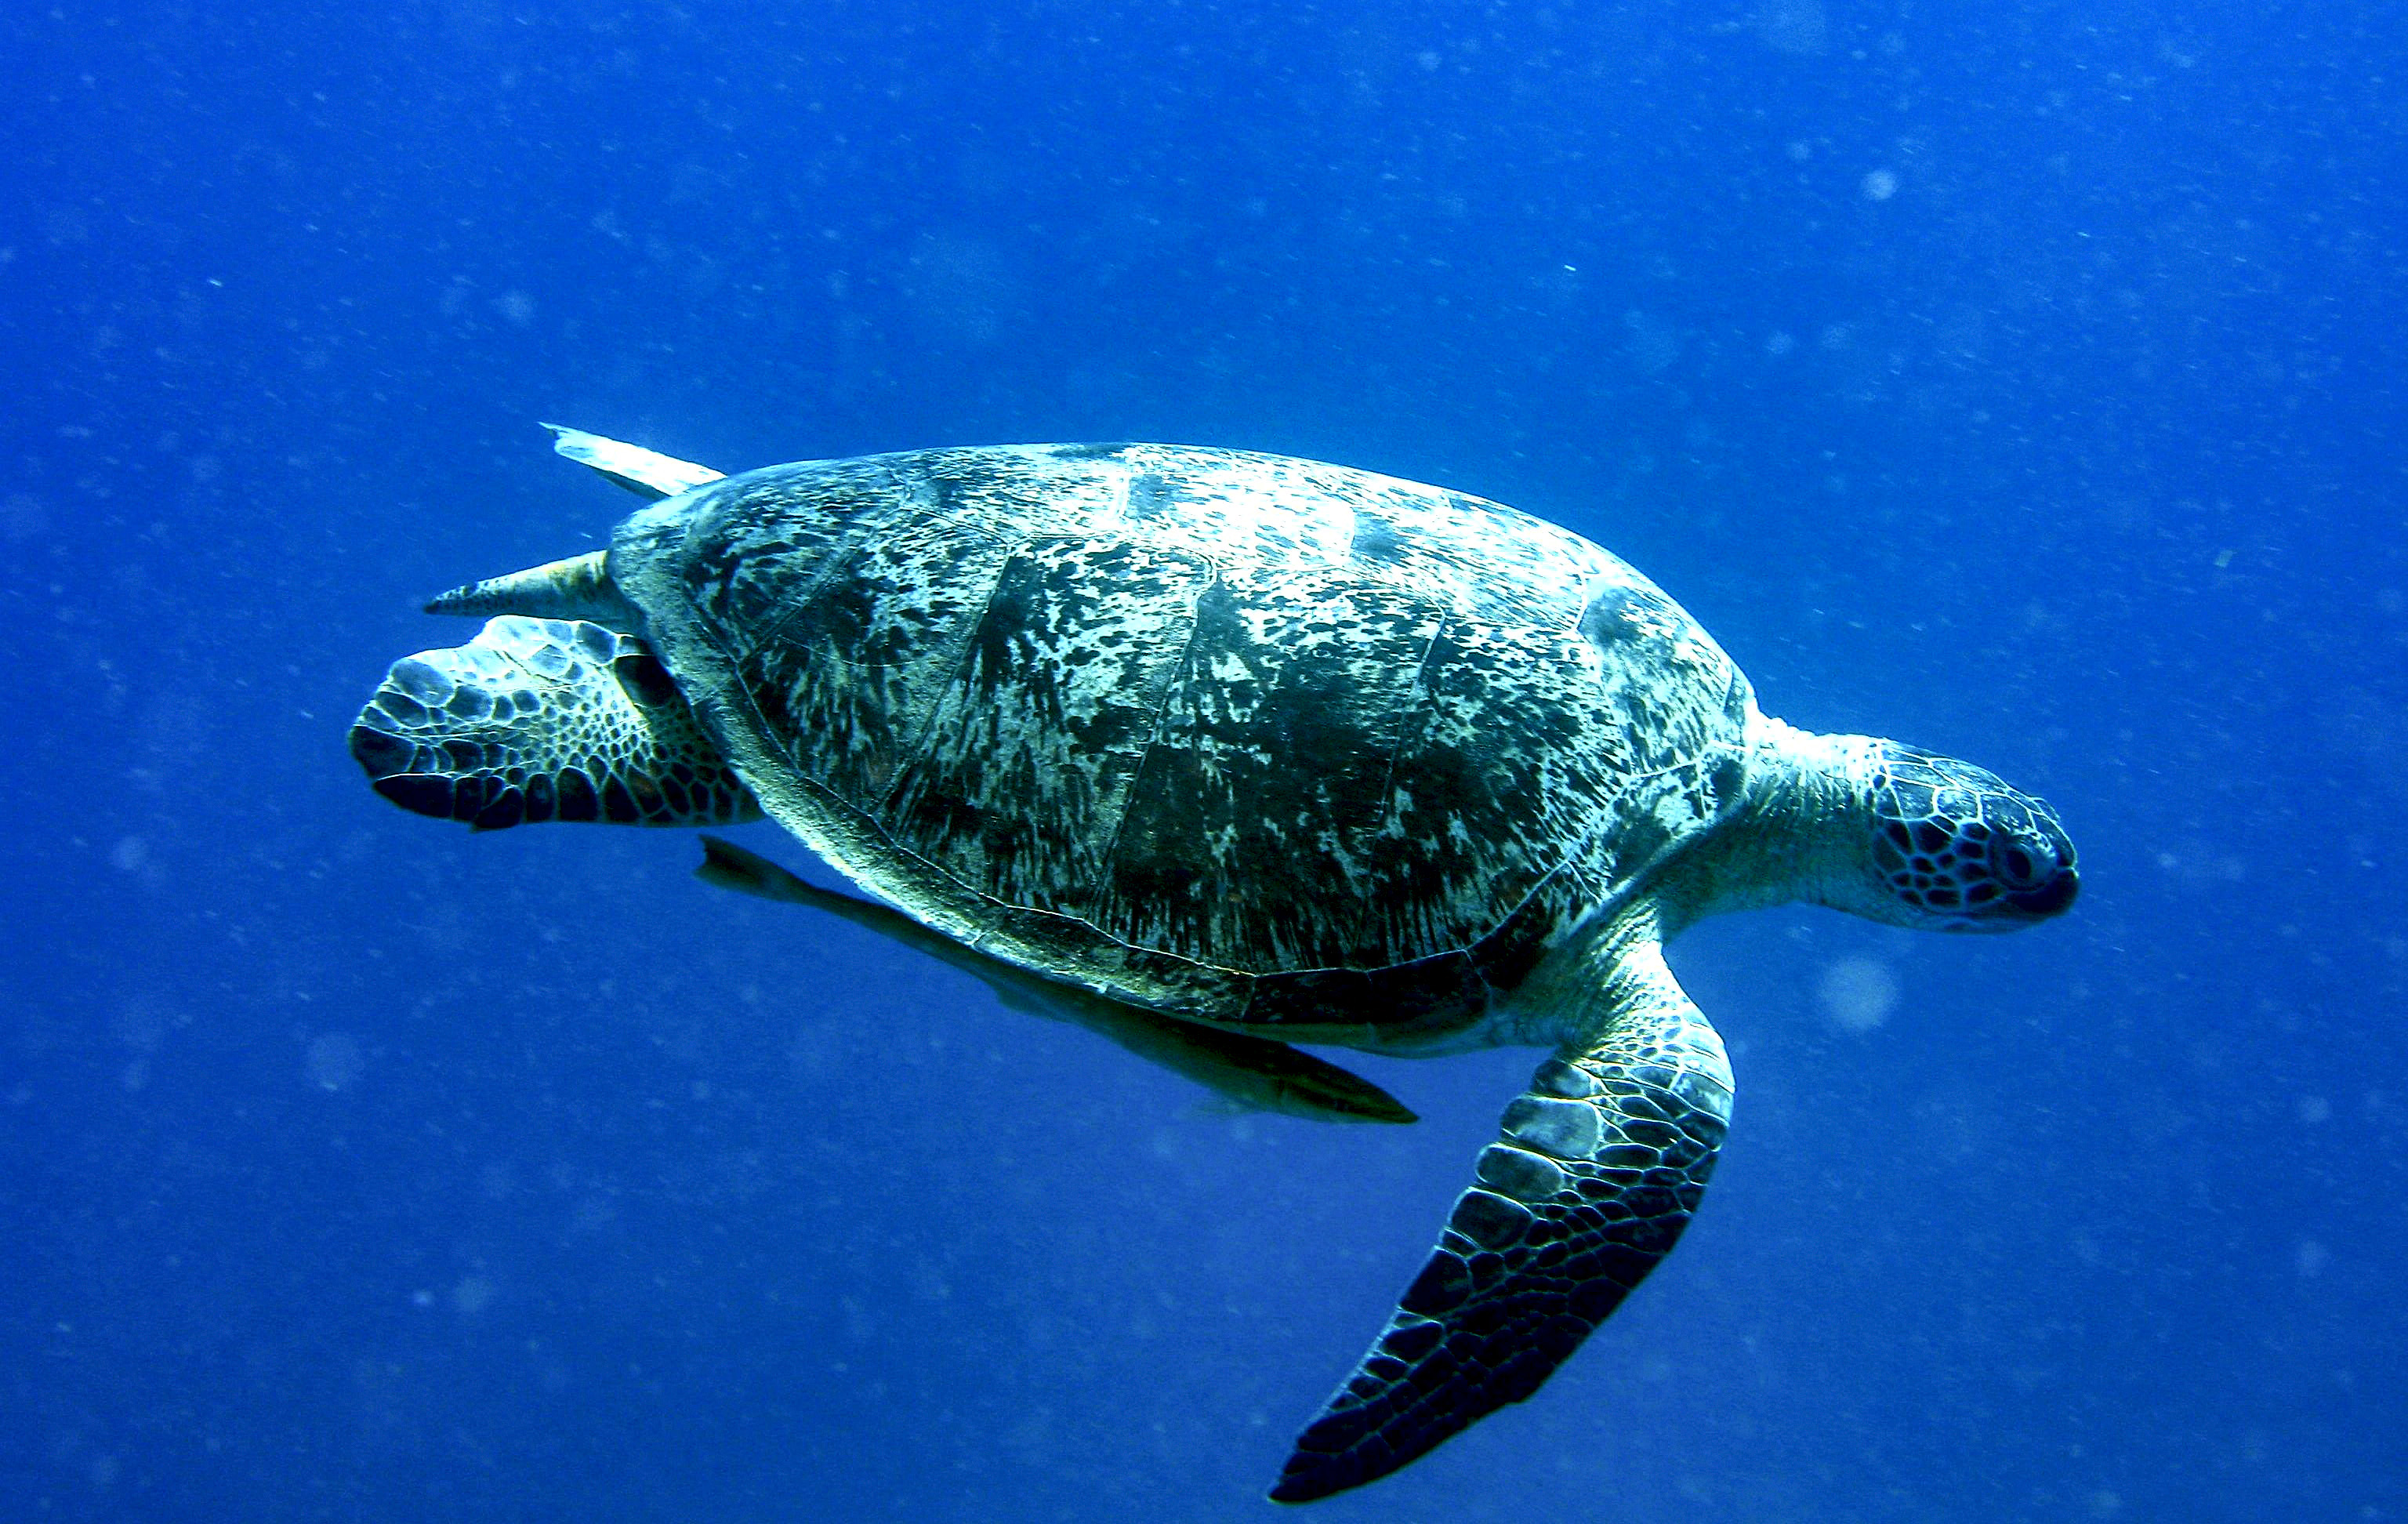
{"type": "Point", "coordinates": [1599, 1168]}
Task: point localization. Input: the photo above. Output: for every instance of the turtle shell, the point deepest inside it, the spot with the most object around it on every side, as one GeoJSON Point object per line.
{"type": "Point", "coordinates": [1245, 738]}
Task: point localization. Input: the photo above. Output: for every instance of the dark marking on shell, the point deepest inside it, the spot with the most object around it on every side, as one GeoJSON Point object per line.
{"type": "Point", "coordinates": [1150, 493]}
{"type": "Point", "coordinates": [1275, 746]}
{"type": "Point", "coordinates": [846, 679]}
{"type": "Point", "coordinates": [1428, 994]}
{"type": "Point", "coordinates": [1728, 778]}
{"type": "Point", "coordinates": [1056, 700]}
{"type": "Point", "coordinates": [1606, 622]}
{"type": "Point", "coordinates": [1509, 955]}
{"type": "Point", "coordinates": [1375, 540]}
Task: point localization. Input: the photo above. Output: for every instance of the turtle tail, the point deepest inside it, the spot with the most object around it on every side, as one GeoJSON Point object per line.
{"type": "Point", "coordinates": [544, 719]}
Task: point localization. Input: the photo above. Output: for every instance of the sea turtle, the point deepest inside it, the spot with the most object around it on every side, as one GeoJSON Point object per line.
{"type": "Point", "coordinates": [1222, 750]}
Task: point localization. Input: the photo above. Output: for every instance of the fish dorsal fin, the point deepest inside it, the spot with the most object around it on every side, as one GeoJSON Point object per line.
{"type": "Point", "coordinates": [647, 473]}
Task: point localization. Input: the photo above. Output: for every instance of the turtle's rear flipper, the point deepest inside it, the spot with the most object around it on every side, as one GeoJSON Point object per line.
{"type": "Point", "coordinates": [1254, 1072]}
{"type": "Point", "coordinates": [647, 473]}
{"type": "Point", "coordinates": [544, 719]}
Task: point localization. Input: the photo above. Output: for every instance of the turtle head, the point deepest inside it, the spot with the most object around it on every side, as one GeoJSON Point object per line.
{"type": "Point", "coordinates": [1952, 846]}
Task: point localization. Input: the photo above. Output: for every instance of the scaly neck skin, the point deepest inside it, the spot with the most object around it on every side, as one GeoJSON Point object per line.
{"type": "Point", "coordinates": [1796, 837]}
{"type": "Point", "coordinates": [1582, 987]}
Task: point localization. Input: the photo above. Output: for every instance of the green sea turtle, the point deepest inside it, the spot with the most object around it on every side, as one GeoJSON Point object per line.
{"type": "Point", "coordinates": [1219, 751]}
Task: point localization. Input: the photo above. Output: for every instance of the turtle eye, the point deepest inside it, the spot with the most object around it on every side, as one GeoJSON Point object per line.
{"type": "Point", "coordinates": [645, 680]}
{"type": "Point", "coordinates": [2020, 865]}
{"type": "Point", "coordinates": [1965, 849]}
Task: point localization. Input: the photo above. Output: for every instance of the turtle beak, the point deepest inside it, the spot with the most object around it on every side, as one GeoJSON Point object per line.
{"type": "Point", "coordinates": [2052, 898]}
{"type": "Point", "coordinates": [2053, 895]}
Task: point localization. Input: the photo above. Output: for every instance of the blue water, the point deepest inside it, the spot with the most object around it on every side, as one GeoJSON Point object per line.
{"type": "Point", "coordinates": [2022, 381]}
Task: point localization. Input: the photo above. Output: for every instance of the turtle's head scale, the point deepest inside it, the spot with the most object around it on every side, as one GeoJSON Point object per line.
{"type": "Point", "coordinates": [1882, 830]}
{"type": "Point", "coordinates": [1955, 847]}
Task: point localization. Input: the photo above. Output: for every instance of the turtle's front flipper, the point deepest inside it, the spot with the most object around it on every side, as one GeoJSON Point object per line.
{"type": "Point", "coordinates": [1601, 1166]}
{"type": "Point", "coordinates": [1252, 1071]}
{"type": "Point", "coordinates": [544, 719]}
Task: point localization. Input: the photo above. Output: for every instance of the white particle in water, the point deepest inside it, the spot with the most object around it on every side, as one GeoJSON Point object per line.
{"type": "Point", "coordinates": [1857, 993]}
{"type": "Point", "coordinates": [335, 1060]}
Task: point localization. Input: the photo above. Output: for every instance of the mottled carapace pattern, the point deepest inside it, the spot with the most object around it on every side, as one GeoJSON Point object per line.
{"type": "Point", "coordinates": [1229, 733]}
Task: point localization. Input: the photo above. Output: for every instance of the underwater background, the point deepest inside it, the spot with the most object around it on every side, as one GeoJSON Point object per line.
{"type": "Point", "coordinates": [2023, 382]}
